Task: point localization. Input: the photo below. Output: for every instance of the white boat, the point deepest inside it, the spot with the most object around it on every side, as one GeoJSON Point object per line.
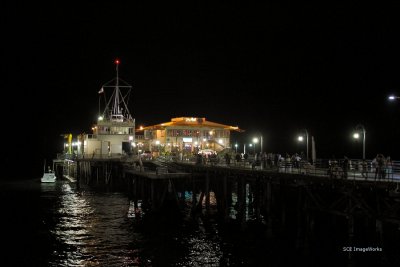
{"type": "Point", "coordinates": [48, 175]}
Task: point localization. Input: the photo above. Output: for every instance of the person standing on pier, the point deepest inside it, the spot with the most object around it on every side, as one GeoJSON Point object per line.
{"type": "Point", "coordinates": [374, 166]}
{"type": "Point", "coordinates": [199, 159]}
{"type": "Point", "coordinates": [227, 159]}
{"type": "Point", "coordinates": [389, 168]}
{"type": "Point", "coordinates": [238, 158]}
{"type": "Point", "coordinates": [264, 160]}
{"type": "Point", "coordinates": [346, 165]}
{"type": "Point", "coordinates": [379, 166]}
{"type": "Point", "coordinates": [245, 158]}
{"type": "Point", "coordinates": [364, 169]}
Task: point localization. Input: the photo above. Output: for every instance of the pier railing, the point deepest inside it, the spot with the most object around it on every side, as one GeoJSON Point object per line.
{"type": "Point", "coordinates": [335, 169]}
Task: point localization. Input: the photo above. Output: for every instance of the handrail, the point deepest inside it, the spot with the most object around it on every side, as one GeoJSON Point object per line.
{"type": "Point", "coordinates": [330, 168]}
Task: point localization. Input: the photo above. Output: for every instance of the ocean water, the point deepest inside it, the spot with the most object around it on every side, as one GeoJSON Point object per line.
{"type": "Point", "coordinates": [61, 225]}
{"type": "Point", "coordinates": [58, 225]}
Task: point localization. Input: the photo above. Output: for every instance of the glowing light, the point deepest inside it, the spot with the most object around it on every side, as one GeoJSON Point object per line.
{"type": "Point", "coordinates": [117, 61]}
{"type": "Point", "coordinates": [393, 97]}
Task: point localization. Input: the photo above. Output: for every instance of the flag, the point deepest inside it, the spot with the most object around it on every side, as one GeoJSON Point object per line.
{"type": "Point", "coordinates": [101, 90]}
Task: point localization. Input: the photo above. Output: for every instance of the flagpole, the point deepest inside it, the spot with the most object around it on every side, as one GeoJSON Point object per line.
{"type": "Point", "coordinates": [313, 151]}
{"type": "Point", "coordinates": [99, 104]}
{"type": "Point", "coordinates": [116, 109]}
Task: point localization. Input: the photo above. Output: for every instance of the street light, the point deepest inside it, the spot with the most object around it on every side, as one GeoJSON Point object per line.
{"type": "Point", "coordinates": [393, 97]}
{"type": "Point", "coordinates": [236, 146]}
{"type": "Point", "coordinates": [255, 141]}
{"type": "Point", "coordinates": [356, 135]}
{"type": "Point", "coordinates": [158, 147]}
{"type": "Point", "coordinates": [301, 139]}
{"type": "Point", "coordinates": [250, 145]}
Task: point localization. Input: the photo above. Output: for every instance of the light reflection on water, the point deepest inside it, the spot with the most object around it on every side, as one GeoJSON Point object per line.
{"type": "Point", "coordinates": [202, 252]}
{"type": "Point", "coordinates": [62, 226]}
{"type": "Point", "coordinates": [94, 228]}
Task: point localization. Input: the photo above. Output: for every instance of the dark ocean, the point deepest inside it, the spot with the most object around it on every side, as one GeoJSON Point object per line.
{"type": "Point", "coordinates": [60, 225]}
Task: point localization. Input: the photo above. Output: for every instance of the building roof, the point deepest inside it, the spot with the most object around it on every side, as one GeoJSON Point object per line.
{"type": "Point", "coordinates": [191, 122]}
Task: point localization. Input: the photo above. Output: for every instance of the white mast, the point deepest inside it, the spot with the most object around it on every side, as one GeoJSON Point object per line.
{"type": "Point", "coordinates": [114, 132]}
{"type": "Point", "coordinates": [117, 109]}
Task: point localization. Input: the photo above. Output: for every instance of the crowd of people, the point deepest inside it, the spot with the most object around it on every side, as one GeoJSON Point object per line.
{"type": "Point", "coordinates": [380, 167]}
{"type": "Point", "coordinates": [383, 167]}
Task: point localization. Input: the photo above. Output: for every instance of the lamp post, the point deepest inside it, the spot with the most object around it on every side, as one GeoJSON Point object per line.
{"type": "Point", "coordinates": [250, 145]}
{"type": "Point", "coordinates": [158, 146]}
{"type": "Point", "coordinates": [236, 146]}
{"type": "Point", "coordinates": [301, 139]}
{"type": "Point", "coordinates": [356, 135]}
{"type": "Point", "coordinates": [255, 141]}
{"type": "Point", "coordinates": [139, 148]}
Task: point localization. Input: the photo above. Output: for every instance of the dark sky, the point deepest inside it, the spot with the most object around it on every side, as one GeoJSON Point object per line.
{"type": "Point", "coordinates": [268, 68]}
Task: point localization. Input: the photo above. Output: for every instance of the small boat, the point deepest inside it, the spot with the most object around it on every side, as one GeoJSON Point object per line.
{"type": "Point", "coordinates": [48, 175]}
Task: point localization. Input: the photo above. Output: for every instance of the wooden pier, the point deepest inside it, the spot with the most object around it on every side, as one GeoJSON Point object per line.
{"type": "Point", "coordinates": [263, 188]}
{"type": "Point", "coordinates": [272, 198]}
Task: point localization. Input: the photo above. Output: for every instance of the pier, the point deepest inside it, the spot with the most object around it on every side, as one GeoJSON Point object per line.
{"type": "Point", "coordinates": [295, 202]}
{"type": "Point", "coordinates": [268, 194]}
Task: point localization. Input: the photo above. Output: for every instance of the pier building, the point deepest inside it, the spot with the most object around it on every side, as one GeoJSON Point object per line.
{"type": "Point", "coordinates": [186, 135]}
{"type": "Point", "coordinates": [114, 132]}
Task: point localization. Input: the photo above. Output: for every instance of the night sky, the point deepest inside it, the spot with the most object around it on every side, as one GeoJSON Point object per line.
{"type": "Point", "coordinates": [273, 69]}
